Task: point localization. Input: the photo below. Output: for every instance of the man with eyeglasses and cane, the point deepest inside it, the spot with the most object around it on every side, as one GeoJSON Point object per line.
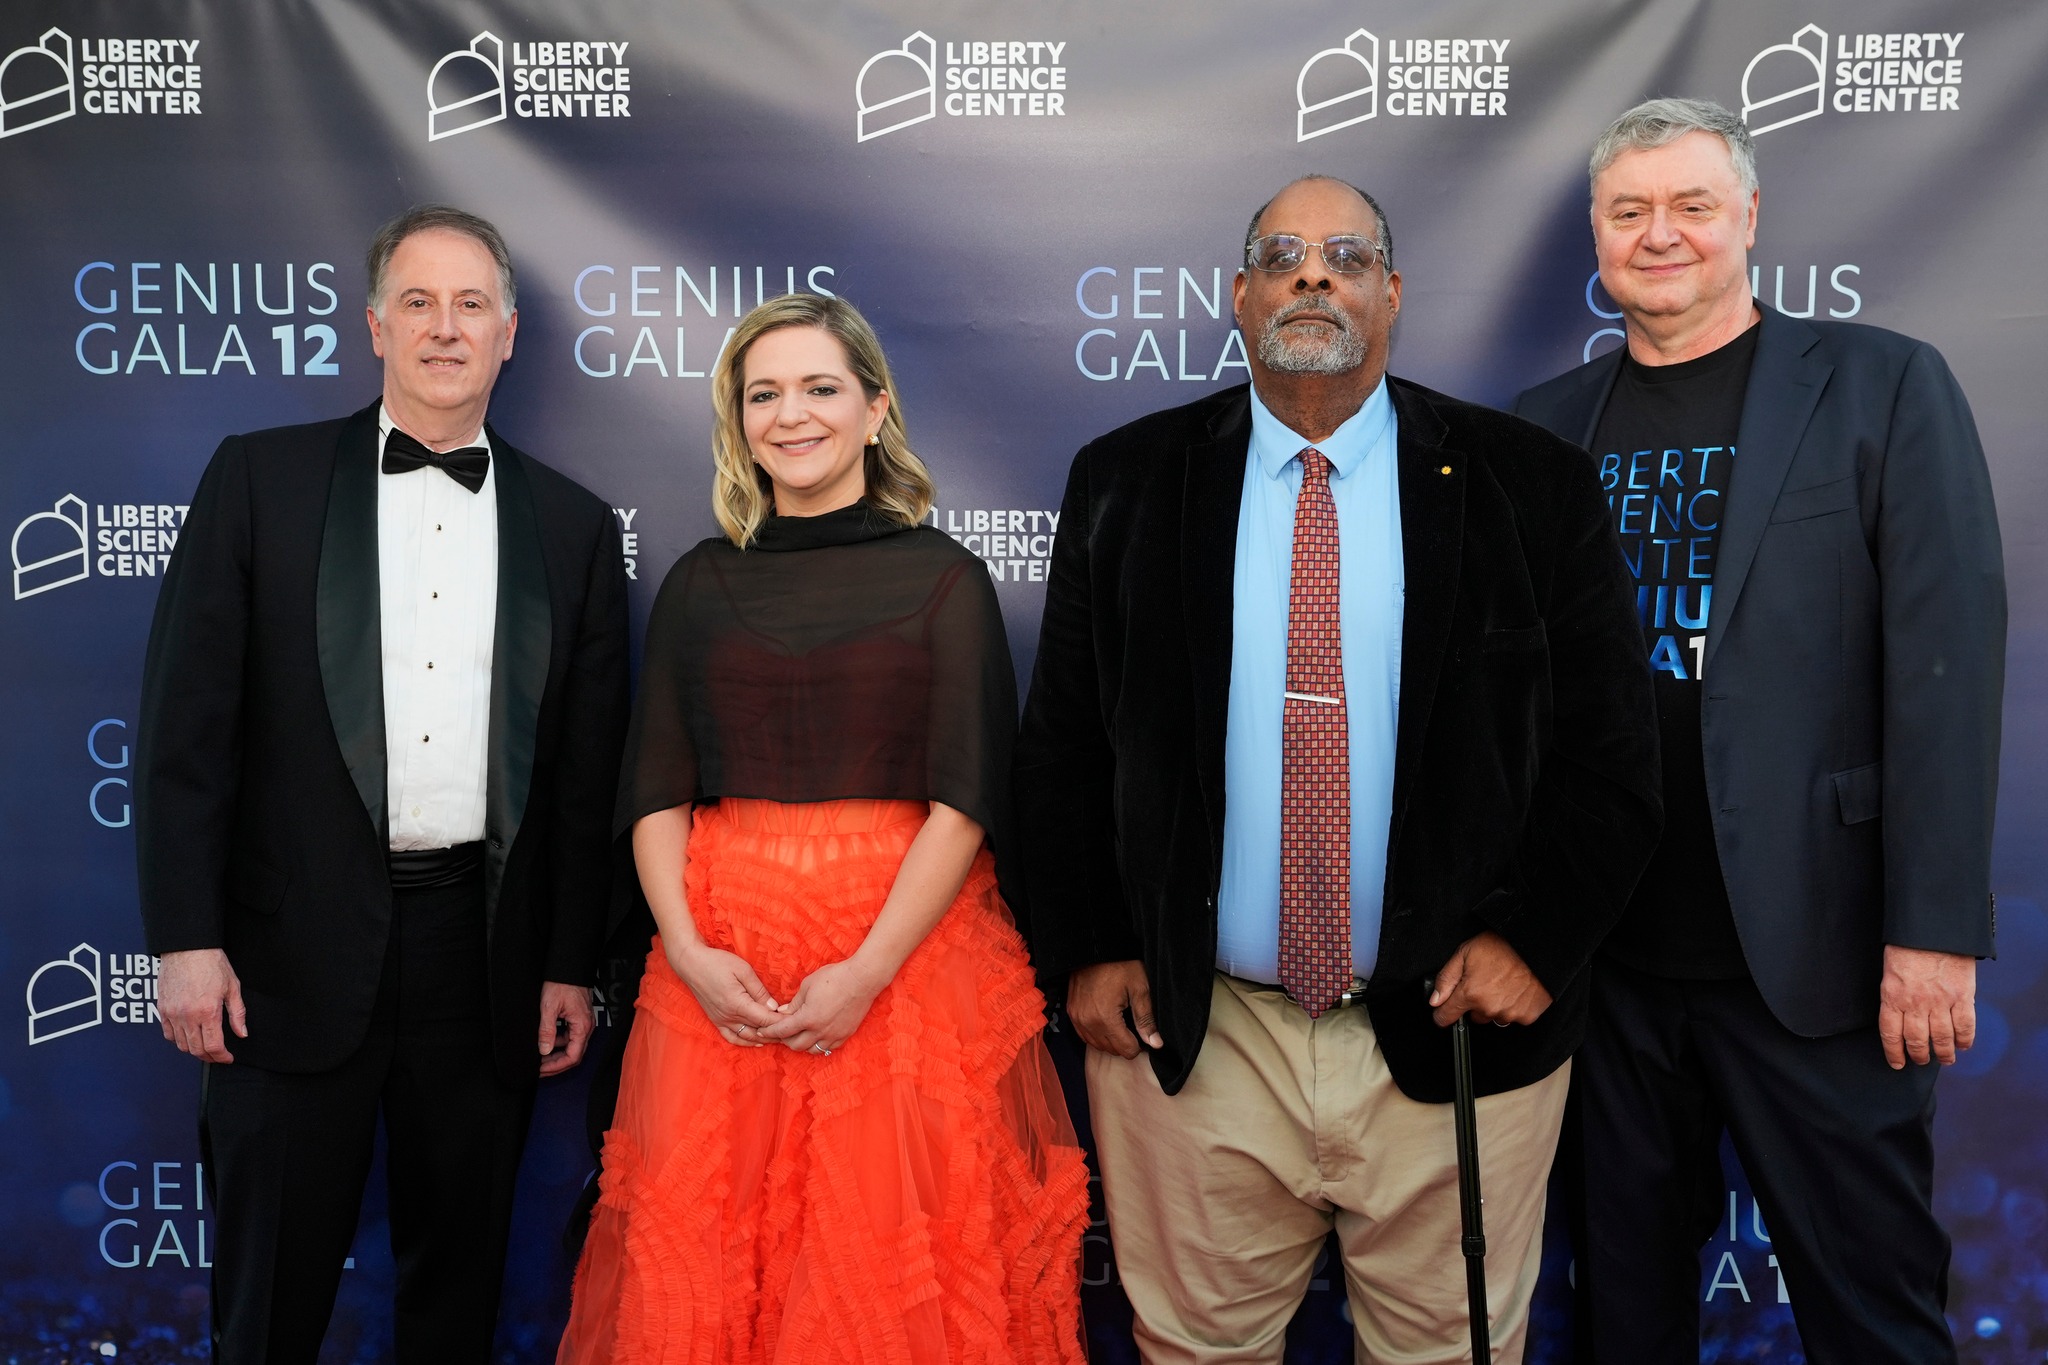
{"type": "Point", "coordinates": [1339, 691]}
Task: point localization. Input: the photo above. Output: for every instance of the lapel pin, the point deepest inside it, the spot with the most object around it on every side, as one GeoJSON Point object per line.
{"type": "Point", "coordinates": [1445, 470]}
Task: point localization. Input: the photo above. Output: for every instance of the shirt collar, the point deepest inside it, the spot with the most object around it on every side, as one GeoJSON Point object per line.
{"type": "Point", "coordinates": [385, 426]}
{"type": "Point", "coordinates": [1274, 444]}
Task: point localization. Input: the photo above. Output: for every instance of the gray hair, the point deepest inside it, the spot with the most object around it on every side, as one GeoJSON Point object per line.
{"type": "Point", "coordinates": [1658, 123]}
{"type": "Point", "coordinates": [1384, 239]}
{"type": "Point", "coordinates": [442, 218]}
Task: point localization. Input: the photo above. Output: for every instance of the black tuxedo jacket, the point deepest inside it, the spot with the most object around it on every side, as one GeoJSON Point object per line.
{"type": "Point", "coordinates": [1855, 661]}
{"type": "Point", "coordinates": [260, 769]}
{"type": "Point", "coordinates": [1525, 771]}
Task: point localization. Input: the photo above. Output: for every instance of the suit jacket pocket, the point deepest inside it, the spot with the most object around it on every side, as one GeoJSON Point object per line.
{"type": "Point", "coordinates": [1513, 639]}
{"type": "Point", "coordinates": [258, 886]}
{"type": "Point", "coordinates": [1802, 504]}
{"type": "Point", "coordinates": [1860, 791]}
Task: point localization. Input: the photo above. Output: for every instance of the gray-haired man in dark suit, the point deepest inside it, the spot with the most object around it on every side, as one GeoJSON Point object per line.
{"type": "Point", "coordinates": [1807, 511]}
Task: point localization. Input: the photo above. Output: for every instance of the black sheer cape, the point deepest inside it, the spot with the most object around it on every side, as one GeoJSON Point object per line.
{"type": "Point", "coordinates": [841, 656]}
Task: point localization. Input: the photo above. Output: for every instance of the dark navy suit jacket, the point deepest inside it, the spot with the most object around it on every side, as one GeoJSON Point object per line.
{"type": "Point", "coordinates": [1855, 661]}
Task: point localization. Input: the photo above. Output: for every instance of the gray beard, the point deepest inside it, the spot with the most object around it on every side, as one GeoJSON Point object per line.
{"type": "Point", "coordinates": [1340, 350]}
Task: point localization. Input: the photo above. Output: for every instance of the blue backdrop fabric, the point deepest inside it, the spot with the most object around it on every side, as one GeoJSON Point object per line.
{"type": "Point", "coordinates": [1039, 207]}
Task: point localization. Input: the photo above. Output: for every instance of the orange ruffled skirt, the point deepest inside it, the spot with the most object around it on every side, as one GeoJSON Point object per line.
{"type": "Point", "coordinates": [917, 1196]}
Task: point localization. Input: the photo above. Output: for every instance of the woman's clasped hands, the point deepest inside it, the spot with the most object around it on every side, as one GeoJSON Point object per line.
{"type": "Point", "coordinates": [734, 1000]}
{"type": "Point", "coordinates": [826, 1009]}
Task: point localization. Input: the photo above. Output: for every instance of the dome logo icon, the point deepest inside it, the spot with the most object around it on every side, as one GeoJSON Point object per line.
{"type": "Point", "coordinates": [49, 548]}
{"type": "Point", "coordinates": [38, 84]}
{"type": "Point", "coordinates": [1338, 87]}
{"type": "Point", "coordinates": [897, 88]}
{"type": "Point", "coordinates": [466, 88]}
{"type": "Point", "coordinates": [1799, 76]}
{"type": "Point", "coordinates": [64, 996]}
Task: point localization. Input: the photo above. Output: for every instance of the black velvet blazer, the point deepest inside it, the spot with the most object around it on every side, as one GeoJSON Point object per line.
{"type": "Point", "coordinates": [260, 766]}
{"type": "Point", "coordinates": [1525, 775]}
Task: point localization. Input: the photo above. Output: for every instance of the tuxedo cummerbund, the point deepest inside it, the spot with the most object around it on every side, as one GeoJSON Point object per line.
{"type": "Point", "coordinates": [418, 869]}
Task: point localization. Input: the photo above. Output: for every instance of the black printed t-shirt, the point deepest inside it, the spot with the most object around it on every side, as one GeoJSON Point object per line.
{"type": "Point", "coordinates": [1666, 451]}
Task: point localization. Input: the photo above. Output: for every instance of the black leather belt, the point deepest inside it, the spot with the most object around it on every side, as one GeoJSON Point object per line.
{"type": "Point", "coordinates": [1354, 996]}
{"type": "Point", "coordinates": [419, 869]}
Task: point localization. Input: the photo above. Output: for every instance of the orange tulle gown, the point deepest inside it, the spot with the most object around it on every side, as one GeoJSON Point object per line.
{"type": "Point", "coordinates": [917, 1196]}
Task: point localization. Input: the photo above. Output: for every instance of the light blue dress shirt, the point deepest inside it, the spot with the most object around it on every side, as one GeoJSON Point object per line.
{"type": "Point", "coordinates": [1371, 585]}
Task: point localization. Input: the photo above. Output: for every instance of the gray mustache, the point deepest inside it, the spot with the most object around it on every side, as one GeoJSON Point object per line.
{"type": "Point", "coordinates": [1312, 303]}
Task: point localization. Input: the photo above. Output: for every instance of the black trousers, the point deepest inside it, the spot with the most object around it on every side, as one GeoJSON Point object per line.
{"type": "Point", "coordinates": [1838, 1147]}
{"type": "Point", "coordinates": [287, 1157]}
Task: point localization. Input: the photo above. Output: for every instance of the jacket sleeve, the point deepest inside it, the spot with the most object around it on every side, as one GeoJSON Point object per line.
{"type": "Point", "coordinates": [1597, 807]}
{"type": "Point", "coordinates": [1064, 776]}
{"type": "Point", "coordinates": [188, 748]}
{"type": "Point", "coordinates": [587, 769]}
{"type": "Point", "coordinates": [1941, 569]}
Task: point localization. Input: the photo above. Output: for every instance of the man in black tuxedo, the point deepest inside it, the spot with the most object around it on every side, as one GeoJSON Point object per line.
{"type": "Point", "coordinates": [382, 711]}
{"type": "Point", "coordinates": [1807, 511]}
{"type": "Point", "coordinates": [1338, 693]}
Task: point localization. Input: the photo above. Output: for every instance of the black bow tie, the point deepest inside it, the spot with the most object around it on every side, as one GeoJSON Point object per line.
{"type": "Point", "coordinates": [467, 466]}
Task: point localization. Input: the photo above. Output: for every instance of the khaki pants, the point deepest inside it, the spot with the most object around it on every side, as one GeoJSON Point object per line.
{"type": "Point", "coordinates": [1220, 1197]}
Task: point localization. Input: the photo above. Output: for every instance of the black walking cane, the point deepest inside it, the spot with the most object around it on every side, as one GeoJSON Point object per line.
{"type": "Point", "coordinates": [1471, 1208]}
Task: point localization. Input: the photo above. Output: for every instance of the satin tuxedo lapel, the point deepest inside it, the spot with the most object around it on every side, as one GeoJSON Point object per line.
{"type": "Point", "coordinates": [1785, 385]}
{"type": "Point", "coordinates": [520, 653]}
{"type": "Point", "coordinates": [1432, 541]}
{"type": "Point", "coordinates": [348, 617]}
{"type": "Point", "coordinates": [350, 635]}
{"type": "Point", "coordinates": [1212, 491]}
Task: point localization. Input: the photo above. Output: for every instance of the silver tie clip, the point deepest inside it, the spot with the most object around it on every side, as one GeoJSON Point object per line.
{"type": "Point", "coordinates": [1310, 696]}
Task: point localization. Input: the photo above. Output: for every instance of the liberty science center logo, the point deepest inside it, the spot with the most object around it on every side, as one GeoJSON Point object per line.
{"type": "Point", "coordinates": [1413, 77]}
{"type": "Point", "coordinates": [86, 988]}
{"type": "Point", "coordinates": [475, 86]}
{"type": "Point", "coordinates": [69, 543]}
{"type": "Point", "coordinates": [1873, 73]}
{"type": "Point", "coordinates": [40, 83]}
{"type": "Point", "coordinates": [1017, 78]}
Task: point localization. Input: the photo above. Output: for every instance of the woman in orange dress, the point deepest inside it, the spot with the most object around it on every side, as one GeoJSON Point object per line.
{"type": "Point", "coordinates": [839, 1136]}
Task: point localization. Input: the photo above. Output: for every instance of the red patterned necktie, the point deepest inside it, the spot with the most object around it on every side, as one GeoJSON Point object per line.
{"type": "Point", "coordinates": [1315, 771]}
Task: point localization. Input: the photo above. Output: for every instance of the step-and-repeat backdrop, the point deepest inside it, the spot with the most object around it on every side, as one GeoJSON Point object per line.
{"type": "Point", "coordinates": [1039, 205]}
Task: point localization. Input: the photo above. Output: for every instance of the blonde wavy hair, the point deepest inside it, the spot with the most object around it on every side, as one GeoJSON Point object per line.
{"type": "Point", "coordinates": [898, 484]}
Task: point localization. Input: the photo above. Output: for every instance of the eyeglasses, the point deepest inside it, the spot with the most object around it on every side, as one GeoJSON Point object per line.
{"type": "Point", "coordinates": [1283, 251]}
